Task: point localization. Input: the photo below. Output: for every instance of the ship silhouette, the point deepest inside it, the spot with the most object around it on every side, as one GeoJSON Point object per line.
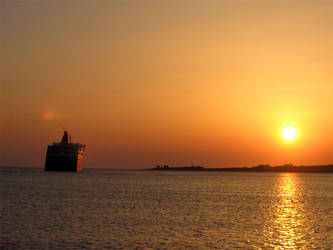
{"type": "Point", "coordinates": [64, 156]}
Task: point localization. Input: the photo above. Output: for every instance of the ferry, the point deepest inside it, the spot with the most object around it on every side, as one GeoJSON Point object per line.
{"type": "Point", "coordinates": [65, 155]}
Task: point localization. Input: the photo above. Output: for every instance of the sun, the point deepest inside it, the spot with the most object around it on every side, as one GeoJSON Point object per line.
{"type": "Point", "coordinates": [289, 133]}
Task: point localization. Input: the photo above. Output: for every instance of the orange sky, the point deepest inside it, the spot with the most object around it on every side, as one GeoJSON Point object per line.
{"type": "Point", "coordinates": [167, 82]}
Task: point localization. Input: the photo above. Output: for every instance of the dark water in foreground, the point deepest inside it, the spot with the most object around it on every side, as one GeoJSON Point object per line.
{"type": "Point", "coordinates": [155, 209]}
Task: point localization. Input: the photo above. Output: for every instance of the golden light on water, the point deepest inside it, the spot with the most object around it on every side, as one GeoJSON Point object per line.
{"type": "Point", "coordinates": [287, 225]}
{"type": "Point", "coordinates": [287, 213]}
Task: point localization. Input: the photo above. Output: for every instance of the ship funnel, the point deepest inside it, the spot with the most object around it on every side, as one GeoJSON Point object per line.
{"type": "Point", "coordinates": [66, 139]}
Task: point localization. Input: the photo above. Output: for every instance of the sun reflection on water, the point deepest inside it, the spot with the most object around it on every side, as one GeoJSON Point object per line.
{"type": "Point", "coordinates": [287, 225]}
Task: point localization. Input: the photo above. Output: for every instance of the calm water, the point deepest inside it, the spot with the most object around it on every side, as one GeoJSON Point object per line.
{"type": "Point", "coordinates": [154, 209]}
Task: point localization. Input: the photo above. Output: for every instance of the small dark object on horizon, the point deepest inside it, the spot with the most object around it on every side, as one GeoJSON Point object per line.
{"type": "Point", "coordinates": [190, 168]}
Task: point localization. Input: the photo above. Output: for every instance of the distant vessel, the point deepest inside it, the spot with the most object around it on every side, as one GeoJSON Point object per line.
{"type": "Point", "coordinates": [64, 156]}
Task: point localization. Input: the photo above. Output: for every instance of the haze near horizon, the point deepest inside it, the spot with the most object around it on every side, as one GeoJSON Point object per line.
{"type": "Point", "coordinates": [142, 83]}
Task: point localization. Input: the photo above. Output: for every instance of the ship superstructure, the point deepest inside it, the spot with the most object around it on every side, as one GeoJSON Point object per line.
{"type": "Point", "coordinates": [64, 156]}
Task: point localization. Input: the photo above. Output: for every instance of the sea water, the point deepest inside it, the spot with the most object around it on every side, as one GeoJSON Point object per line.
{"type": "Point", "coordinates": [165, 209]}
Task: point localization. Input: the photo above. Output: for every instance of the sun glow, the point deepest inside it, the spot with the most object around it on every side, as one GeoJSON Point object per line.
{"type": "Point", "coordinates": [47, 115]}
{"type": "Point", "coordinates": [289, 133]}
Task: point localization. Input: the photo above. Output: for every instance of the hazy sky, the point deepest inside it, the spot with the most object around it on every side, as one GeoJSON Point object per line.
{"type": "Point", "coordinates": [172, 82]}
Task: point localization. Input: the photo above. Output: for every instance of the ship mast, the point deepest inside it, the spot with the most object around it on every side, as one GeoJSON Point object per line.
{"type": "Point", "coordinates": [66, 139]}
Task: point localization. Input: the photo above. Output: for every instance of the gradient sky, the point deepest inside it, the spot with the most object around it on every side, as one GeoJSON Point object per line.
{"type": "Point", "coordinates": [147, 82]}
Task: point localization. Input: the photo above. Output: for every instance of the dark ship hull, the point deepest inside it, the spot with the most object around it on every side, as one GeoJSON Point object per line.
{"type": "Point", "coordinates": [64, 156]}
{"type": "Point", "coordinates": [69, 163]}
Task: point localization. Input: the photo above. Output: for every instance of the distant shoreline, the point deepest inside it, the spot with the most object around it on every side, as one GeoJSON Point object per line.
{"type": "Point", "coordinates": [260, 168]}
